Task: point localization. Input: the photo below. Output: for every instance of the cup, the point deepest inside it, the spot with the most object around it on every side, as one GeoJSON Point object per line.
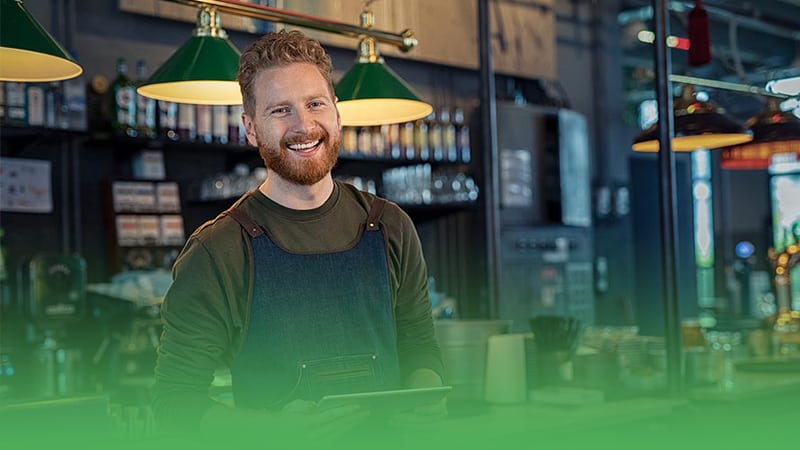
{"type": "Point", "coordinates": [506, 369]}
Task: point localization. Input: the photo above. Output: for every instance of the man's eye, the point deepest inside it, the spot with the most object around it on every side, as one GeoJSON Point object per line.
{"type": "Point", "coordinates": [281, 110]}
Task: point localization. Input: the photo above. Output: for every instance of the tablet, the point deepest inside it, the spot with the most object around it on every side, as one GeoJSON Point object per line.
{"type": "Point", "coordinates": [387, 402]}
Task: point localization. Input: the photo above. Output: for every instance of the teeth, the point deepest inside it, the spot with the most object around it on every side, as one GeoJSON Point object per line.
{"type": "Point", "coordinates": [305, 146]}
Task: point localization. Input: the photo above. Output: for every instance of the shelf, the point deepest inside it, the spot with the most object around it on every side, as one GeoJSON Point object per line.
{"type": "Point", "coordinates": [16, 139]}
{"type": "Point", "coordinates": [422, 213]}
{"type": "Point", "coordinates": [416, 212]}
{"type": "Point", "coordinates": [138, 143]}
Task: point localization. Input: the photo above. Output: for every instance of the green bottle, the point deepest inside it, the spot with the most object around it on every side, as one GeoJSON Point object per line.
{"type": "Point", "coordinates": [123, 98]}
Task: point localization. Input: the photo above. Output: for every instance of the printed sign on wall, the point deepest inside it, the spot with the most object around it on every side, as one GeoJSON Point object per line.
{"type": "Point", "coordinates": [25, 186]}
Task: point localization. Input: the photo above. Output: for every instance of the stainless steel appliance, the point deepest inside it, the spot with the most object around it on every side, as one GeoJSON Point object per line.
{"type": "Point", "coordinates": [544, 166]}
{"type": "Point", "coordinates": [546, 271]}
{"type": "Point", "coordinates": [545, 264]}
{"type": "Point", "coordinates": [56, 297]}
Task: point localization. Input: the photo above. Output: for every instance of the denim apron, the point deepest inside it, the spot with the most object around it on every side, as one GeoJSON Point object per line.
{"type": "Point", "coordinates": [319, 323]}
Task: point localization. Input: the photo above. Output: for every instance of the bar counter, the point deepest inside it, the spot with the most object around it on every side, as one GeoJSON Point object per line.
{"type": "Point", "coordinates": [760, 409]}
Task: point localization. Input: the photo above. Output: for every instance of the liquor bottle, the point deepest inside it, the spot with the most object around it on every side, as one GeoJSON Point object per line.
{"type": "Point", "coordinates": [167, 120]}
{"type": "Point", "coordinates": [448, 136]}
{"type": "Point", "coordinates": [35, 105]}
{"type": "Point", "coordinates": [407, 140]}
{"type": "Point", "coordinates": [187, 122]}
{"type": "Point", "coordinates": [435, 137]}
{"type": "Point", "coordinates": [365, 140]}
{"type": "Point", "coordinates": [236, 131]}
{"type": "Point", "coordinates": [219, 124]}
{"type": "Point", "coordinates": [349, 140]}
{"type": "Point", "coordinates": [462, 137]}
{"type": "Point", "coordinates": [54, 108]}
{"type": "Point", "coordinates": [145, 106]}
{"type": "Point", "coordinates": [395, 146]}
{"type": "Point", "coordinates": [123, 98]}
{"type": "Point", "coordinates": [2, 102]}
{"type": "Point", "coordinates": [16, 103]}
{"type": "Point", "coordinates": [74, 107]}
{"type": "Point", "coordinates": [204, 124]}
{"type": "Point", "coordinates": [5, 298]}
{"type": "Point", "coordinates": [421, 140]}
{"type": "Point", "coordinates": [379, 138]}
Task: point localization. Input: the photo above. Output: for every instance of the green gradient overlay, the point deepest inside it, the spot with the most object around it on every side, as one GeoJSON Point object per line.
{"type": "Point", "coordinates": [762, 421]}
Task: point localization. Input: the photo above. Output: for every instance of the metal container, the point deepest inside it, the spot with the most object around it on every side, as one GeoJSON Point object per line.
{"type": "Point", "coordinates": [698, 370]}
{"type": "Point", "coordinates": [57, 371]}
{"type": "Point", "coordinates": [464, 346]}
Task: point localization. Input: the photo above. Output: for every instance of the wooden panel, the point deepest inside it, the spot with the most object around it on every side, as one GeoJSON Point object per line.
{"type": "Point", "coordinates": [523, 38]}
{"type": "Point", "coordinates": [522, 31]}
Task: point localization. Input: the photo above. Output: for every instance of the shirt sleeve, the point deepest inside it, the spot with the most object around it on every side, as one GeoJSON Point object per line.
{"type": "Point", "coordinates": [195, 340]}
{"type": "Point", "coordinates": [416, 339]}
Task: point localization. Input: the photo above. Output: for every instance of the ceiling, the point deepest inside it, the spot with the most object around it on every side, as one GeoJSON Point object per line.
{"type": "Point", "coordinates": [751, 43]}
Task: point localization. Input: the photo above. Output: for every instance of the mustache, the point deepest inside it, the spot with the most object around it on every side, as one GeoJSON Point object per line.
{"type": "Point", "coordinates": [317, 135]}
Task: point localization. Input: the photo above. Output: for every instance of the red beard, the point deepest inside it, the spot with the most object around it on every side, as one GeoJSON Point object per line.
{"type": "Point", "coordinates": [306, 171]}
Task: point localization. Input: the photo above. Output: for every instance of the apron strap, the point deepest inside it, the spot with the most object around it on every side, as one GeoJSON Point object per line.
{"type": "Point", "coordinates": [252, 228]}
{"type": "Point", "coordinates": [375, 214]}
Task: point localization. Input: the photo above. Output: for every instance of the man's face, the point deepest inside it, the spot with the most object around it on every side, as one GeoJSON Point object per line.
{"type": "Point", "coordinates": [295, 124]}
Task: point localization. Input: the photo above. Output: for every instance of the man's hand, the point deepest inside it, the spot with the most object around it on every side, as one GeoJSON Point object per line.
{"type": "Point", "coordinates": [423, 416]}
{"type": "Point", "coordinates": [301, 418]}
{"type": "Point", "coordinates": [298, 425]}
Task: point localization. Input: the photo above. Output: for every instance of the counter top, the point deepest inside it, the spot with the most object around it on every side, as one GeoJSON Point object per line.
{"type": "Point", "coordinates": [754, 379]}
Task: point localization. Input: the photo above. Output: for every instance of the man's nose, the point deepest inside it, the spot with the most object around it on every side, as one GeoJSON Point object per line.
{"type": "Point", "coordinates": [304, 121]}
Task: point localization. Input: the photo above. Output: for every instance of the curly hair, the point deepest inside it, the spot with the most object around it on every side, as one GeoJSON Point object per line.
{"type": "Point", "coordinates": [273, 50]}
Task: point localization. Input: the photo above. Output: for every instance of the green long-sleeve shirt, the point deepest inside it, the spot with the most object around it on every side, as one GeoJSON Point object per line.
{"type": "Point", "coordinates": [205, 312]}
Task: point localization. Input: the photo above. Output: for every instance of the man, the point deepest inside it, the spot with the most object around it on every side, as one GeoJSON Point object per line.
{"type": "Point", "coordinates": [305, 286]}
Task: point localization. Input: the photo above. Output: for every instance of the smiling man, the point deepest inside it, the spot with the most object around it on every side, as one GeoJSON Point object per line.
{"type": "Point", "coordinates": [305, 287]}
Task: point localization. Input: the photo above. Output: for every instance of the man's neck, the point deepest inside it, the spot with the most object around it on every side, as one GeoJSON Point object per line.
{"type": "Point", "coordinates": [296, 196]}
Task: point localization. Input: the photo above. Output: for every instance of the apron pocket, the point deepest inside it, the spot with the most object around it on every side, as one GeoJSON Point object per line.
{"type": "Point", "coordinates": [341, 375]}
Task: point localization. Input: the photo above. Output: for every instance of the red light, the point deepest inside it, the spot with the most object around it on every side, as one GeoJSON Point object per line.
{"type": "Point", "coordinates": [682, 43]}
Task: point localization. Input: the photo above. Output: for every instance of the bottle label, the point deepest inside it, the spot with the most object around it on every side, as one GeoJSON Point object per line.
{"type": "Point", "coordinates": [350, 140]}
{"type": "Point", "coordinates": [220, 123]}
{"type": "Point", "coordinates": [168, 115]}
{"type": "Point", "coordinates": [186, 116]}
{"type": "Point", "coordinates": [204, 120]}
{"type": "Point", "coordinates": [449, 142]}
{"type": "Point", "coordinates": [146, 114]}
{"type": "Point", "coordinates": [15, 103]}
{"type": "Point", "coordinates": [35, 105]}
{"type": "Point", "coordinates": [126, 108]}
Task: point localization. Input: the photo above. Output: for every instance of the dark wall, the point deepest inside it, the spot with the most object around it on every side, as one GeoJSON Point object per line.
{"type": "Point", "coordinates": [589, 69]}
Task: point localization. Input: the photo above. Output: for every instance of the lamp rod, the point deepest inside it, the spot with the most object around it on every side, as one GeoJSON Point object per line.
{"type": "Point", "coordinates": [667, 200]}
{"type": "Point", "coordinates": [404, 41]}
{"type": "Point", "coordinates": [725, 85]}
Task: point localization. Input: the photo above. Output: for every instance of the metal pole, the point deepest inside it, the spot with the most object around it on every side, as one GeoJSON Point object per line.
{"type": "Point", "coordinates": [490, 154]}
{"type": "Point", "coordinates": [667, 203]}
{"type": "Point", "coordinates": [404, 41]}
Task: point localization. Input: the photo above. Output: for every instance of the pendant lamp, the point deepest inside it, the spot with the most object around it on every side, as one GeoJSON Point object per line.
{"type": "Point", "coordinates": [371, 93]}
{"type": "Point", "coordinates": [202, 71]}
{"type": "Point", "coordinates": [698, 125]}
{"type": "Point", "coordinates": [27, 51]}
{"type": "Point", "coordinates": [774, 132]}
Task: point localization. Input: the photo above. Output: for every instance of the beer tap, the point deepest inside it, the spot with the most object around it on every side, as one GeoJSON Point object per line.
{"type": "Point", "coordinates": [787, 321]}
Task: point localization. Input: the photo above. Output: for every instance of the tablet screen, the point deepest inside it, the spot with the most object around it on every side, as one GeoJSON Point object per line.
{"type": "Point", "coordinates": [387, 402]}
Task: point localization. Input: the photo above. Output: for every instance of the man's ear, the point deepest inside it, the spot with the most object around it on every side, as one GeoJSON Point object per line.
{"type": "Point", "coordinates": [249, 130]}
{"type": "Point", "coordinates": [338, 116]}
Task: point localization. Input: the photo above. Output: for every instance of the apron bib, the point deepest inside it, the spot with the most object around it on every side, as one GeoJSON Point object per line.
{"type": "Point", "coordinates": [319, 323]}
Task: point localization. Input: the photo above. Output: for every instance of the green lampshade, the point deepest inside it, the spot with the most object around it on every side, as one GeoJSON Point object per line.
{"type": "Point", "coordinates": [27, 51]}
{"type": "Point", "coordinates": [370, 93]}
{"type": "Point", "coordinates": [203, 71]}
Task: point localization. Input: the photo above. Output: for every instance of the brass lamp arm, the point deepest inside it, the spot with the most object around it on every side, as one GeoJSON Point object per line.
{"type": "Point", "coordinates": [404, 41]}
